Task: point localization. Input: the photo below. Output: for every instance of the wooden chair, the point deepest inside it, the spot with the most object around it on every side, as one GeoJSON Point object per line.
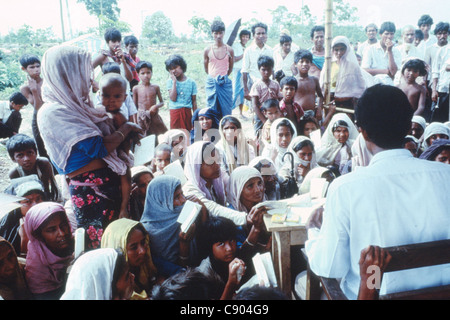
{"type": "Point", "coordinates": [404, 257]}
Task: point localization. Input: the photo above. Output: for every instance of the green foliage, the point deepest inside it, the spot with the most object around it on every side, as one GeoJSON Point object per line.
{"type": "Point", "coordinates": [158, 28]}
{"type": "Point", "coordinates": [105, 8]}
{"type": "Point", "coordinates": [201, 26]}
{"type": "Point", "coordinates": [106, 23]}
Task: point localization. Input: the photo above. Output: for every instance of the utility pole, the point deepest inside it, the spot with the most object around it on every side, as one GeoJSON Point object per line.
{"type": "Point", "coordinates": [62, 20]}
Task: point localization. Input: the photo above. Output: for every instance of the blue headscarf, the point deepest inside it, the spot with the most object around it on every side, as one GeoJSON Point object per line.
{"type": "Point", "coordinates": [160, 217]}
{"type": "Point", "coordinates": [208, 113]}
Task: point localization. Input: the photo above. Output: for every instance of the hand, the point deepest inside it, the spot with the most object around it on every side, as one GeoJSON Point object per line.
{"type": "Point", "coordinates": [319, 114]}
{"type": "Point", "coordinates": [256, 217]}
{"type": "Point", "coordinates": [434, 96]}
{"type": "Point", "coordinates": [315, 219]}
{"type": "Point", "coordinates": [153, 110]}
{"type": "Point", "coordinates": [124, 214]}
{"type": "Point", "coordinates": [301, 170]}
{"type": "Point", "coordinates": [186, 237]}
{"type": "Point", "coordinates": [372, 256]}
{"type": "Point", "coordinates": [233, 267]}
{"type": "Point", "coordinates": [389, 44]}
{"type": "Point", "coordinates": [172, 76]}
{"type": "Point", "coordinates": [32, 84]}
{"type": "Point", "coordinates": [119, 53]}
{"type": "Point", "coordinates": [247, 95]}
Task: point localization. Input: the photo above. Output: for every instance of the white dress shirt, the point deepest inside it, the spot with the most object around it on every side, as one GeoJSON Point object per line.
{"type": "Point", "coordinates": [250, 60]}
{"type": "Point", "coordinates": [396, 200]}
{"type": "Point", "coordinates": [438, 69]}
{"type": "Point", "coordinates": [375, 57]}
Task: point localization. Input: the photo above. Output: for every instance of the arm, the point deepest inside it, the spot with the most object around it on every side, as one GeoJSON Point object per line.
{"type": "Point", "coordinates": [194, 103]}
{"type": "Point", "coordinates": [245, 81]}
{"type": "Point", "coordinates": [125, 183]}
{"type": "Point", "coordinates": [392, 69]}
{"type": "Point", "coordinates": [256, 107]}
{"type": "Point", "coordinates": [35, 92]}
{"type": "Point", "coordinates": [173, 91]}
{"type": "Point", "coordinates": [231, 60]}
{"type": "Point", "coordinates": [206, 60]}
{"type": "Point", "coordinates": [421, 105]}
{"type": "Point", "coordinates": [320, 96]}
{"type": "Point", "coordinates": [154, 109]}
{"type": "Point", "coordinates": [98, 61]}
{"type": "Point", "coordinates": [113, 140]}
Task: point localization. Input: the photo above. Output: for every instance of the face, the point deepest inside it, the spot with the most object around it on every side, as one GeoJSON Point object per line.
{"type": "Point", "coordinates": [425, 28]}
{"type": "Point", "coordinates": [225, 251]}
{"type": "Point", "coordinates": [416, 130]}
{"type": "Point", "coordinates": [137, 248]}
{"type": "Point", "coordinates": [442, 37]}
{"type": "Point", "coordinates": [113, 97]}
{"type": "Point", "coordinates": [33, 70]}
{"type": "Point", "coordinates": [26, 159]}
{"type": "Point", "coordinates": [410, 75]}
{"type": "Point", "coordinates": [8, 263]}
{"type": "Point", "coordinates": [309, 127]}
{"type": "Point", "coordinates": [218, 36]}
{"type": "Point", "coordinates": [210, 168]}
{"type": "Point", "coordinates": [142, 183]}
{"type": "Point", "coordinates": [178, 146]}
{"type": "Point", "coordinates": [286, 47]}
{"type": "Point", "coordinates": [288, 92]}
{"type": "Point", "coordinates": [124, 285]}
{"type": "Point", "coordinates": [178, 197]}
{"type": "Point", "coordinates": [443, 157]}
{"type": "Point", "coordinates": [303, 66]}
{"type": "Point", "coordinates": [205, 122]}
{"type": "Point", "coordinates": [435, 137]}
{"type": "Point", "coordinates": [341, 134]}
{"type": "Point", "coordinates": [114, 45]}
{"type": "Point", "coordinates": [408, 36]}
{"type": "Point", "coordinates": [371, 33]}
{"type": "Point", "coordinates": [16, 107]}
{"type": "Point", "coordinates": [56, 234]}
{"type": "Point", "coordinates": [387, 36]}
{"type": "Point", "coordinates": [145, 75]}
{"type": "Point", "coordinates": [244, 39]}
{"type": "Point", "coordinates": [305, 153]}
{"type": "Point", "coordinates": [230, 131]}
{"type": "Point", "coordinates": [339, 50]}
{"type": "Point", "coordinates": [132, 49]}
{"type": "Point", "coordinates": [272, 113]}
{"type": "Point", "coordinates": [162, 159]}
{"type": "Point", "coordinates": [29, 201]}
{"type": "Point", "coordinates": [318, 39]}
{"type": "Point", "coordinates": [260, 36]}
{"type": "Point", "coordinates": [266, 72]}
{"type": "Point", "coordinates": [177, 72]}
{"type": "Point", "coordinates": [412, 147]}
{"type": "Point", "coordinates": [253, 191]}
{"type": "Point", "coordinates": [417, 41]}
{"type": "Point", "coordinates": [284, 136]}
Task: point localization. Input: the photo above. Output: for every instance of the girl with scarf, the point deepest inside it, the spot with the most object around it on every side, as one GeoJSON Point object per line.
{"type": "Point", "coordinates": [202, 121]}
{"type": "Point", "coordinates": [336, 143]}
{"type": "Point", "coordinates": [132, 238]}
{"type": "Point", "coordinates": [101, 274]}
{"type": "Point", "coordinates": [70, 127]}
{"type": "Point", "coordinates": [434, 131]}
{"type": "Point", "coordinates": [438, 151]}
{"type": "Point", "coordinates": [179, 141]}
{"type": "Point", "coordinates": [50, 250]}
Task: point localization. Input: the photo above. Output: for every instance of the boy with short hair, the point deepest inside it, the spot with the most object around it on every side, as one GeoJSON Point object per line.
{"type": "Point", "coordinates": [22, 150]}
{"type": "Point", "coordinates": [161, 160]}
{"type": "Point", "coordinates": [132, 47]}
{"type": "Point", "coordinates": [239, 48]}
{"type": "Point", "coordinates": [284, 57]}
{"type": "Point", "coordinates": [416, 93]}
{"type": "Point", "coordinates": [271, 110]}
{"type": "Point", "coordinates": [182, 93]}
{"type": "Point", "coordinates": [145, 95]}
{"type": "Point", "coordinates": [308, 87]}
{"type": "Point", "coordinates": [10, 117]}
{"type": "Point", "coordinates": [289, 107]}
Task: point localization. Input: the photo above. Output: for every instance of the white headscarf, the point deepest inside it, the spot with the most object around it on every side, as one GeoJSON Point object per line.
{"type": "Point", "coordinates": [274, 144]}
{"type": "Point", "coordinates": [361, 156]}
{"type": "Point", "coordinates": [91, 276]}
{"type": "Point", "coordinates": [243, 152]}
{"type": "Point", "coordinates": [238, 179]}
{"type": "Point", "coordinates": [420, 120]}
{"type": "Point", "coordinates": [434, 128]}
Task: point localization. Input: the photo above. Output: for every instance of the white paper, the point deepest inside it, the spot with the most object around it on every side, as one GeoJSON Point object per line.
{"type": "Point", "coordinates": [79, 242]}
{"type": "Point", "coordinates": [316, 137]}
{"type": "Point", "coordinates": [176, 170]}
{"type": "Point", "coordinates": [264, 269]}
{"type": "Point", "coordinates": [145, 152]}
{"type": "Point", "coordinates": [188, 215]}
{"type": "Point", "coordinates": [318, 188]}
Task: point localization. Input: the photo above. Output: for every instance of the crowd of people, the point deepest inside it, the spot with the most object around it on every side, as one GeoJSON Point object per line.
{"type": "Point", "coordinates": [380, 136]}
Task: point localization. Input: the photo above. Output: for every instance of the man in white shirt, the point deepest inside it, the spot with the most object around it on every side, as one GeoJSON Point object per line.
{"type": "Point", "coordinates": [283, 56]}
{"type": "Point", "coordinates": [425, 22]}
{"type": "Point", "coordinates": [395, 200]}
{"type": "Point", "coordinates": [371, 32]}
{"type": "Point", "coordinates": [382, 60]}
{"type": "Point", "coordinates": [407, 48]}
{"type": "Point", "coordinates": [238, 87]}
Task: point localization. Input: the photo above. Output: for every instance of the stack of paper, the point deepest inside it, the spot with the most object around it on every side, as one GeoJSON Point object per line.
{"type": "Point", "coordinates": [264, 269]}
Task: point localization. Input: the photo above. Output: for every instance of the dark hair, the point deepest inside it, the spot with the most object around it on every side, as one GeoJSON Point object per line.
{"type": "Point", "coordinates": [339, 123]}
{"type": "Point", "coordinates": [217, 26]}
{"type": "Point", "coordinates": [136, 177]}
{"type": "Point", "coordinates": [316, 29]}
{"type": "Point", "coordinates": [385, 113]}
{"type": "Point", "coordinates": [289, 81]}
{"type": "Point", "coordinates": [285, 38]}
{"type": "Point", "coordinates": [269, 103]}
{"type": "Point", "coordinates": [28, 59]}
{"type": "Point", "coordinates": [175, 60]}
{"type": "Point", "coordinates": [418, 34]}
{"type": "Point", "coordinates": [441, 26]}
{"type": "Point", "coordinates": [112, 34]}
{"type": "Point", "coordinates": [111, 67]}
{"type": "Point", "coordinates": [425, 19]}
{"type": "Point", "coordinates": [20, 142]}
{"type": "Point", "coordinates": [144, 64]}
{"type": "Point", "coordinates": [258, 25]}
{"type": "Point", "coordinates": [231, 119]}
{"type": "Point", "coordinates": [210, 147]}
{"type": "Point", "coordinates": [258, 292]}
{"type": "Point", "coordinates": [18, 98]}
{"type": "Point", "coordinates": [265, 61]}
{"type": "Point", "coordinates": [130, 40]}
{"type": "Point", "coordinates": [245, 32]}
{"type": "Point", "coordinates": [286, 123]}
{"type": "Point", "coordinates": [163, 147]}
{"type": "Point", "coordinates": [279, 75]}
{"type": "Point", "coordinates": [304, 120]}
{"type": "Point", "coordinates": [302, 144]}
{"type": "Point", "coordinates": [387, 26]}
{"type": "Point", "coordinates": [302, 54]}
{"type": "Point", "coordinates": [217, 229]}
{"type": "Point", "coordinates": [371, 25]}
{"type": "Point", "coordinates": [415, 64]}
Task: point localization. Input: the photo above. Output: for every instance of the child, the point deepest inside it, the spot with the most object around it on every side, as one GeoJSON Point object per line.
{"type": "Point", "coordinates": [271, 110]}
{"type": "Point", "coordinates": [289, 107]}
{"type": "Point", "coordinates": [144, 96]}
{"type": "Point", "coordinates": [182, 94]}
{"type": "Point", "coordinates": [218, 61]}
{"type": "Point", "coordinates": [22, 150]}
{"type": "Point", "coordinates": [416, 93]}
{"type": "Point", "coordinates": [284, 57]}
{"type": "Point", "coordinates": [10, 117]}
{"type": "Point", "coordinates": [162, 157]}
{"type": "Point", "coordinates": [308, 86]}
{"type": "Point", "coordinates": [132, 46]}
{"type": "Point", "coordinates": [140, 178]}
{"type": "Point", "coordinates": [263, 89]}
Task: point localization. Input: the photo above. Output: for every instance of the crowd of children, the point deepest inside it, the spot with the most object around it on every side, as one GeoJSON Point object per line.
{"type": "Point", "coordinates": [202, 154]}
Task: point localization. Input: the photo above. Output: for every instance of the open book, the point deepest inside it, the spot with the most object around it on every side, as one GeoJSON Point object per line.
{"type": "Point", "coordinates": [188, 215]}
{"type": "Point", "coordinates": [145, 152]}
{"type": "Point", "coordinates": [264, 269]}
{"type": "Point", "coordinates": [176, 170]}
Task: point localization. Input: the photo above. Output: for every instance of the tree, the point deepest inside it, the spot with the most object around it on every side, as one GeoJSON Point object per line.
{"type": "Point", "coordinates": [344, 14]}
{"type": "Point", "coordinates": [158, 28]}
{"type": "Point", "coordinates": [201, 26]}
{"type": "Point", "coordinates": [108, 9]}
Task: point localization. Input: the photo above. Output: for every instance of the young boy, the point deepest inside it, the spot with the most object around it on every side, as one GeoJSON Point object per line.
{"type": "Point", "coordinates": [131, 47]}
{"type": "Point", "coordinates": [182, 94]}
{"type": "Point", "coordinates": [162, 158]}
{"type": "Point", "coordinates": [284, 57]}
{"type": "Point", "coordinates": [307, 86]}
{"type": "Point", "coordinates": [144, 96]}
{"type": "Point", "coordinates": [10, 117]}
{"type": "Point", "coordinates": [416, 93]}
{"type": "Point", "coordinates": [218, 60]}
{"type": "Point", "coordinates": [22, 150]}
{"type": "Point", "coordinates": [271, 110]}
{"type": "Point", "coordinates": [289, 107]}
{"type": "Point", "coordinates": [263, 89]}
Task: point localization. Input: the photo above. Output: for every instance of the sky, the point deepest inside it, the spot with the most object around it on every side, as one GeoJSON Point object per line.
{"type": "Point", "coordinates": [46, 13]}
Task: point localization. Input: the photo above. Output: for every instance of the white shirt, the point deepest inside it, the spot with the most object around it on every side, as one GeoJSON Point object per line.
{"type": "Point", "coordinates": [396, 200]}
{"type": "Point", "coordinates": [375, 57]}
{"type": "Point", "coordinates": [409, 50]}
{"type": "Point", "coordinates": [250, 60]}
{"type": "Point", "coordinates": [5, 111]}
{"type": "Point", "coordinates": [430, 56]}
{"type": "Point", "coordinates": [363, 46]}
{"type": "Point", "coordinates": [285, 63]}
{"type": "Point", "coordinates": [238, 51]}
{"type": "Point", "coordinates": [438, 69]}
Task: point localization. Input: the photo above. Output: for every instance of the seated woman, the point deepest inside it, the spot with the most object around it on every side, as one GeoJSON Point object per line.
{"type": "Point", "coordinates": [50, 250]}
{"type": "Point", "coordinates": [170, 248]}
{"type": "Point", "coordinates": [282, 132]}
{"type": "Point", "coordinates": [434, 131]}
{"type": "Point", "coordinates": [438, 151]}
{"type": "Point", "coordinates": [302, 149]}
{"type": "Point", "coordinates": [101, 274]}
{"type": "Point", "coordinates": [12, 279]}
{"type": "Point", "coordinates": [270, 176]}
{"type": "Point", "coordinates": [229, 264]}
{"type": "Point", "coordinates": [132, 238]}
{"type": "Point", "coordinates": [233, 145]}
{"type": "Point", "coordinates": [205, 181]}
{"type": "Point", "coordinates": [336, 143]}
{"type": "Point", "coordinates": [203, 120]}
{"type": "Point", "coordinates": [179, 141]}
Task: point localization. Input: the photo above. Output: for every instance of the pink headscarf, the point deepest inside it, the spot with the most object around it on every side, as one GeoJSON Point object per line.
{"type": "Point", "coordinates": [44, 270]}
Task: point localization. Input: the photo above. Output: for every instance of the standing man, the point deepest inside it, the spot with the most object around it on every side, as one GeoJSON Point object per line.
{"type": "Point", "coordinates": [374, 206]}
{"type": "Point", "coordinates": [317, 50]}
{"type": "Point", "coordinates": [425, 22]}
{"type": "Point", "coordinates": [371, 33]}
{"type": "Point", "coordinates": [238, 85]}
{"type": "Point", "coordinates": [407, 48]}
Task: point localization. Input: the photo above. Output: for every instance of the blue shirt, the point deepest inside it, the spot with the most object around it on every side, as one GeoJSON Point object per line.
{"type": "Point", "coordinates": [185, 90]}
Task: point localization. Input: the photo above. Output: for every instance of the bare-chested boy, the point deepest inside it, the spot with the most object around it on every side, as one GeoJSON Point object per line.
{"type": "Point", "coordinates": [415, 92]}
{"type": "Point", "coordinates": [308, 86]}
{"type": "Point", "coordinates": [145, 96]}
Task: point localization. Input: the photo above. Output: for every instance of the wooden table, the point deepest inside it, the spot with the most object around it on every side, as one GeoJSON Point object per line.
{"type": "Point", "coordinates": [284, 236]}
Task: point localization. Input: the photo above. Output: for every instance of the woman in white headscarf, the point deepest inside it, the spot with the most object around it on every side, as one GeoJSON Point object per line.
{"type": "Point", "coordinates": [435, 131]}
